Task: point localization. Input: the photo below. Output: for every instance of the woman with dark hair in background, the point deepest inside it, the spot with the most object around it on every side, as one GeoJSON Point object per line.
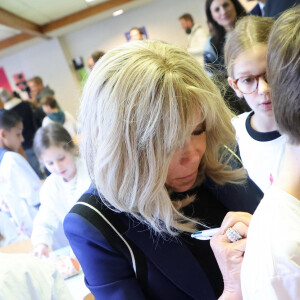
{"type": "Point", "coordinates": [221, 15]}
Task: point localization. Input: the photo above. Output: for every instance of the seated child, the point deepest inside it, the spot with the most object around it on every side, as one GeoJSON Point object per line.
{"type": "Point", "coordinates": [271, 265]}
{"type": "Point", "coordinates": [55, 114]}
{"type": "Point", "coordinates": [19, 184]}
{"type": "Point", "coordinates": [261, 146]}
{"type": "Point", "coordinates": [69, 179]}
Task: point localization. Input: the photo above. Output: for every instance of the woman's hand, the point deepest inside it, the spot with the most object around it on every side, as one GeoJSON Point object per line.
{"type": "Point", "coordinates": [41, 250]}
{"type": "Point", "coordinates": [230, 255]}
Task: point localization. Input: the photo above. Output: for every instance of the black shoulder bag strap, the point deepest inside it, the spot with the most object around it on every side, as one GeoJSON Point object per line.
{"type": "Point", "coordinates": [113, 229]}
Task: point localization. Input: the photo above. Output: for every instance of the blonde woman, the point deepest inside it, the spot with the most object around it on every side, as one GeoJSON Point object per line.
{"type": "Point", "coordinates": [155, 134]}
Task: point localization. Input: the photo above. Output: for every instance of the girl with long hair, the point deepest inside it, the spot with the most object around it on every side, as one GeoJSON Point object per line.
{"type": "Point", "coordinates": [55, 149]}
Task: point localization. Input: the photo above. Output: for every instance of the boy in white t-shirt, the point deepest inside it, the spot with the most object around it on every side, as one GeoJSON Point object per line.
{"type": "Point", "coordinates": [271, 265]}
{"type": "Point", "coordinates": [19, 184]}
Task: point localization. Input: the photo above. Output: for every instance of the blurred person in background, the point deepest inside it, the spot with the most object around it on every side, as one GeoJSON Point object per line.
{"type": "Point", "coordinates": [136, 34]}
{"type": "Point", "coordinates": [221, 15]}
{"type": "Point", "coordinates": [23, 109]}
{"type": "Point", "coordinates": [55, 114]}
{"type": "Point", "coordinates": [37, 92]}
{"type": "Point", "coordinates": [95, 56]}
{"type": "Point", "coordinates": [196, 36]}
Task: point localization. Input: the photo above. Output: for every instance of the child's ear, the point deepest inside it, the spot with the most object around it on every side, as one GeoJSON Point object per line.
{"type": "Point", "coordinates": [234, 87]}
{"type": "Point", "coordinates": [2, 133]}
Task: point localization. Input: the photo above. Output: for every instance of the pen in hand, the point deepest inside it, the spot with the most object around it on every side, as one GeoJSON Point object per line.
{"type": "Point", "coordinates": [205, 234]}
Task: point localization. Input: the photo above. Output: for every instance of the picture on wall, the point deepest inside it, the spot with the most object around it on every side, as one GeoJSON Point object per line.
{"type": "Point", "coordinates": [136, 33]}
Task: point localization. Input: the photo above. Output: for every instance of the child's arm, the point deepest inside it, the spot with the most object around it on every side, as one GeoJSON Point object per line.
{"type": "Point", "coordinates": [24, 179]}
{"type": "Point", "coordinates": [20, 190]}
{"type": "Point", "coordinates": [47, 220]}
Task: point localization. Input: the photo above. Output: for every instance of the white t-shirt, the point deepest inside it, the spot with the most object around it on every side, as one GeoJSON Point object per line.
{"type": "Point", "coordinates": [23, 276]}
{"type": "Point", "coordinates": [261, 152]}
{"type": "Point", "coordinates": [57, 199]}
{"type": "Point", "coordinates": [19, 190]}
{"type": "Point", "coordinates": [271, 265]}
{"type": "Point", "coordinates": [196, 42]}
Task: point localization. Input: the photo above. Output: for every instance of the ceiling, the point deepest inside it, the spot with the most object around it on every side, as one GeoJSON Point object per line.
{"type": "Point", "coordinates": [6, 32]}
{"type": "Point", "coordinates": [23, 20]}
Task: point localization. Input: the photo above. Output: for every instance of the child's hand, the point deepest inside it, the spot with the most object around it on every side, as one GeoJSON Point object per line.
{"type": "Point", "coordinates": [41, 250]}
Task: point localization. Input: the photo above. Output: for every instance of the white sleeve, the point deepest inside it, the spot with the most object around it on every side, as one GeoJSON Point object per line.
{"type": "Point", "coordinates": [46, 121]}
{"type": "Point", "coordinates": [59, 289]}
{"type": "Point", "coordinates": [239, 124]}
{"type": "Point", "coordinates": [20, 190]}
{"type": "Point", "coordinates": [197, 42]}
{"type": "Point", "coordinates": [22, 178]}
{"type": "Point", "coordinates": [70, 124]}
{"type": "Point", "coordinates": [278, 288]}
{"type": "Point", "coordinates": [46, 221]}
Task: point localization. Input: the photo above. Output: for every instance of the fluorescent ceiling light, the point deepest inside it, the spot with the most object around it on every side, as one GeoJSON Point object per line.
{"type": "Point", "coordinates": [89, 0]}
{"type": "Point", "coordinates": [118, 12]}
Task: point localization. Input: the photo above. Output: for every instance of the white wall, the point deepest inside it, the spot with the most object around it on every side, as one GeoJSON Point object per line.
{"type": "Point", "coordinates": [160, 18]}
{"type": "Point", "coordinates": [52, 59]}
{"type": "Point", "coordinates": [46, 60]}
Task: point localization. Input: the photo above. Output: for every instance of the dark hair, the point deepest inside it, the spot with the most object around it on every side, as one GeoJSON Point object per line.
{"type": "Point", "coordinates": [50, 101]}
{"type": "Point", "coordinates": [54, 134]}
{"type": "Point", "coordinates": [218, 38]}
{"type": "Point", "coordinates": [138, 29]}
{"type": "Point", "coordinates": [283, 69]}
{"type": "Point", "coordinates": [9, 119]}
{"type": "Point", "coordinates": [96, 55]}
{"type": "Point", "coordinates": [187, 17]}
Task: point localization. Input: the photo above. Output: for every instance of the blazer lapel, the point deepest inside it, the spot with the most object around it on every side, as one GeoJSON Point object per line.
{"type": "Point", "coordinates": [174, 260]}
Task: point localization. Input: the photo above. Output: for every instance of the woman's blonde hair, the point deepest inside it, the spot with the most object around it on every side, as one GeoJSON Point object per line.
{"type": "Point", "coordinates": [138, 106]}
{"type": "Point", "coordinates": [248, 32]}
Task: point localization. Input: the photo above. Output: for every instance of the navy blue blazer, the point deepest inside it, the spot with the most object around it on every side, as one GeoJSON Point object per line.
{"type": "Point", "coordinates": [274, 8]}
{"type": "Point", "coordinates": [173, 271]}
{"type": "Point", "coordinates": [256, 11]}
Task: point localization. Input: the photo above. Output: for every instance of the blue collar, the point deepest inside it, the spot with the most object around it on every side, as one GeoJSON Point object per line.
{"type": "Point", "coordinates": [2, 152]}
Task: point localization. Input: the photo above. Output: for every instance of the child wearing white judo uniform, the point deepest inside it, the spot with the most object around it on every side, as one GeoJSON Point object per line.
{"type": "Point", "coordinates": [19, 184]}
{"type": "Point", "coordinates": [69, 179]}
